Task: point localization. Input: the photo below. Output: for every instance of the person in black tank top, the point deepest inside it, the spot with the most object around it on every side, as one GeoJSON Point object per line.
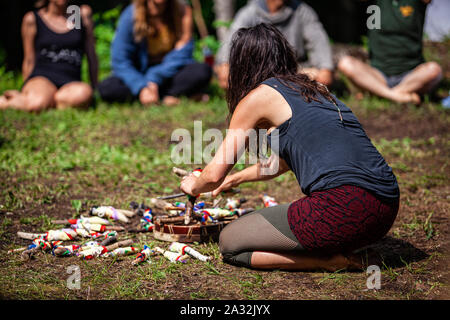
{"type": "Point", "coordinates": [352, 195]}
{"type": "Point", "coordinates": [53, 51]}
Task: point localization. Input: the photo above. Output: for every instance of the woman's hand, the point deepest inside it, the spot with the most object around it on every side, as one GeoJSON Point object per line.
{"type": "Point", "coordinates": [149, 95]}
{"type": "Point", "coordinates": [187, 184]}
{"type": "Point", "coordinates": [227, 184]}
{"type": "Point", "coordinates": [325, 77]}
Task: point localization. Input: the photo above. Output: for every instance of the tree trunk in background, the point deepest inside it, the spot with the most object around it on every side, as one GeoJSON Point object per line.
{"type": "Point", "coordinates": [224, 10]}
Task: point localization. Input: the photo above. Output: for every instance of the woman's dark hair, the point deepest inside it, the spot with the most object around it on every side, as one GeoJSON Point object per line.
{"type": "Point", "coordinates": [259, 53]}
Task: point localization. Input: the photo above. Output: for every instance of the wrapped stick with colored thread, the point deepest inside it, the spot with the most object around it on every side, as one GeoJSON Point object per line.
{"type": "Point", "coordinates": [183, 249]}
{"type": "Point", "coordinates": [144, 255]}
{"type": "Point", "coordinates": [268, 201]}
{"type": "Point", "coordinates": [172, 256]}
{"type": "Point", "coordinates": [125, 251]}
{"type": "Point", "coordinates": [112, 213]}
{"type": "Point", "coordinates": [67, 234]}
{"type": "Point", "coordinates": [234, 203]}
{"type": "Point", "coordinates": [98, 250]}
{"type": "Point", "coordinates": [91, 220]}
{"type": "Point", "coordinates": [37, 246]}
{"type": "Point", "coordinates": [94, 227]}
{"type": "Point", "coordinates": [65, 251]}
{"type": "Point", "coordinates": [29, 236]}
{"type": "Point", "coordinates": [241, 211]}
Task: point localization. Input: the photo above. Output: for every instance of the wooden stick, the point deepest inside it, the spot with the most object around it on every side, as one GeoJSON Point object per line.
{"type": "Point", "coordinates": [17, 250]}
{"type": "Point", "coordinates": [108, 241]}
{"type": "Point", "coordinates": [174, 208]}
{"type": "Point", "coordinates": [180, 172]}
{"type": "Point", "coordinates": [60, 221]}
{"type": "Point", "coordinates": [124, 243]}
{"type": "Point", "coordinates": [189, 209]}
{"type": "Point", "coordinates": [29, 254]}
{"type": "Point", "coordinates": [127, 213]}
{"type": "Point", "coordinates": [170, 220]}
{"type": "Point", "coordinates": [159, 203]}
{"type": "Point", "coordinates": [29, 236]}
{"type": "Point", "coordinates": [114, 228]}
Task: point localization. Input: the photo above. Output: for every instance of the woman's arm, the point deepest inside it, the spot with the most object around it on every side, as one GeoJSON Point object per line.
{"type": "Point", "coordinates": [250, 174]}
{"type": "Point", "coordinates": [86, 14]}
{"type": "Point", "coordinates": [123, 53]}
{"type": "Point", "coordinates": [249, 112]}
{"type": "Point", "coordinates": [28, 35]}
{"type": "Point", "coordinates": [186, 27]}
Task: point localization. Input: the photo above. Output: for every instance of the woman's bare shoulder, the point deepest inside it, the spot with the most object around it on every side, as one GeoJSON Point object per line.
{"type": "Point", "coordinates": [264, 94]}
{"type": "Point", "coordinates": [29, 19]}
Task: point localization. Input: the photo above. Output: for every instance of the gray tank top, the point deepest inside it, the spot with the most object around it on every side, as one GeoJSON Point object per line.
{"type": "Point", "coordinates": [325, 152]}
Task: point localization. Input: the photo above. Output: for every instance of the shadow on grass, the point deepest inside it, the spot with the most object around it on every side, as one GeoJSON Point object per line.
{"type": "Point", "coordinates": [397, 252]}
{"type": "Point", "coordinates": [2, 141]}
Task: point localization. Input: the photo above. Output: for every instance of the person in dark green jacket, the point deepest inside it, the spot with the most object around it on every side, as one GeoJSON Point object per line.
{"type": "Point", "coordinates": [397, 69]}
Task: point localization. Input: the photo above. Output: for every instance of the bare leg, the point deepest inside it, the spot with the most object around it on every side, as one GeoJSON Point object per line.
{"type": "Point", "coordinates": [422, 79]}
{"type": "Point", "coordinates": [372, 80]}
{"type": "Point", "coordinates": [304, 261]}
{"type": "Point", "coordinates": [37, 94]}
{"type": "Point", "coordinates": [170, 101]}
{"type": "Point", "coordinates": [74, 94]}
{"type": "Point", "coordinates": [263, 240]}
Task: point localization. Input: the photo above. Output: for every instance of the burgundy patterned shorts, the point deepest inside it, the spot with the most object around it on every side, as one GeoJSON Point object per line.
{"type": "Point", "coordinates": [341, 219]}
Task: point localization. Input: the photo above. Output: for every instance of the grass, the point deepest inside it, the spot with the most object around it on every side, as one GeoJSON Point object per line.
{"type": "Point", "coordinates": [57, 164]}
{"type": "Point", "coordinates": [115, 154]}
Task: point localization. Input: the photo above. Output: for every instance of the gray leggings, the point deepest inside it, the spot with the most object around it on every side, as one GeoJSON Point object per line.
{"type": "Point", "coordinates": [263, 230]}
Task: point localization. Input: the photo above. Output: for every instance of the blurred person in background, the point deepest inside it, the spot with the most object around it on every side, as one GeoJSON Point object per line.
{"type": "Point", "coordinates": [152, 55]}
{"type": "Point", "coordinates": [397, 69]}
{"type": "Point", "coordinates": [437, 22]}
{"type": "Point", "coordinates": [53, 50]}
{"type": "Point", "coordinates": [298, 22]}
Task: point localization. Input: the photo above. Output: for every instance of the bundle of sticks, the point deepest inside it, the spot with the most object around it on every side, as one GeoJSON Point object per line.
{"type": "Point", "coordinates": [190, 212]}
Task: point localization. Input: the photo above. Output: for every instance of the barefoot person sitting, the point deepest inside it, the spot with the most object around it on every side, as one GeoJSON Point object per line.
{"type": "Point", "coordinates": [397, 69]}
{"type": "Point", "coordinates": [352, 196]}
{"type": "Point", "coordinates": [53, 51]}
{"type": "Point", "coordinates": [152, 55]}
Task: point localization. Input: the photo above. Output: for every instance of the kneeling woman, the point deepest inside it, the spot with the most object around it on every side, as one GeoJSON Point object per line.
{"type": "Point", "coordinates": [352, 195]}
{"type": "Point", "coordinates": [53, 51]}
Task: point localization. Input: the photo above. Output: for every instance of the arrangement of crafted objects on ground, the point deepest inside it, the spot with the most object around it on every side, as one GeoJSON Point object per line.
{"type": "Point", "coordinates": [177, 222]}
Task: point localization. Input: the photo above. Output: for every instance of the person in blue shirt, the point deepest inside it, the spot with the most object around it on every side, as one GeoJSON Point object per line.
{"type": "Point", "coordinates": [152, 55]}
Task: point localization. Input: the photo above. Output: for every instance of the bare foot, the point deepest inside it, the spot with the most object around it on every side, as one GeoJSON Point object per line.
{"type": "Point", "coordinates": [406, 97]}
{"type": "Point", "coordinates": [149, 95]}
{"type": "Point", "coordinates": [170, 101]}
{"type": "Point", "coordinates": [4, 104]}
{"type": "Point", "coordinates": [362, 258]}
{"type": "Point", "coordinates": [359, 96]}
{"type": "Point", "coordinates": [9, 94]}
{"type": "Point", "coordinates": [201, 97]}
